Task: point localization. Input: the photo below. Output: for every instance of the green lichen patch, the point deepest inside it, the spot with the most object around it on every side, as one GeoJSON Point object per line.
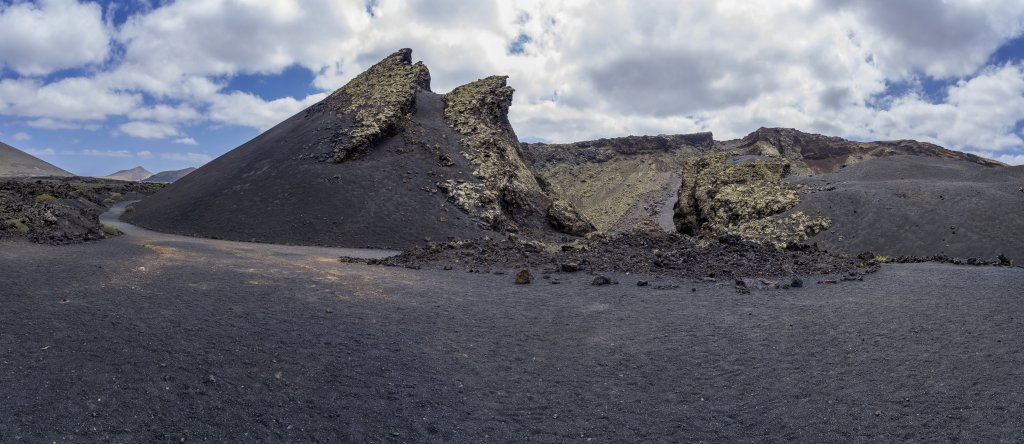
{"type": "Point", "coordinates": [16, 224]}
{"type": "Point", "coordinates": [381, 99]}
{"type": "Point", "coordinates": [746, 199]}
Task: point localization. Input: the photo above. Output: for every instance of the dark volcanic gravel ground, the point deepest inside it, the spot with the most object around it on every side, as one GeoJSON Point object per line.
{"type": "Point", "coordinates": [115, 341]}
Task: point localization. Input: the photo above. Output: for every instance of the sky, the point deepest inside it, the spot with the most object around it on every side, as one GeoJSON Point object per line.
{"type": "Point", "coordinates": [99, 86]}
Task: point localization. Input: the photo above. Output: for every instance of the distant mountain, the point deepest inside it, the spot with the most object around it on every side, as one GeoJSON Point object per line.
{"type": "Point", "coordinates": [136, 174]}
{"type": "Point", "coordinates": [17, 163]}
{"type": "Point", "coordinates": [168, 176]}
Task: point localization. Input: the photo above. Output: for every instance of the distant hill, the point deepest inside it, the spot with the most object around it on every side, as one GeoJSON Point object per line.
{"type": "Point", "coordinates": [383, 162]}
{"type": "Point", "coordinates": [168, 176]}
{"type": "Point", "coordinates": [136, 174]}
{"type": "Point", "coordinates": [17, 163]}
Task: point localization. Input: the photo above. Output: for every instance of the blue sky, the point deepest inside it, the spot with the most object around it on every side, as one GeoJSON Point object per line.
{"type": "Point", "coordinates": [96, 87]}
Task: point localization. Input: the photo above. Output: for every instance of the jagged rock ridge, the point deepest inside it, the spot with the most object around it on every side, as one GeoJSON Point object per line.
{"type": "Point", "coordinates": [816, 154]}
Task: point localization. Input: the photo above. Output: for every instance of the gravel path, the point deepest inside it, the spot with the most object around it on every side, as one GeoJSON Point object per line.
{"type": "Point", "coordinates": [144, 338]}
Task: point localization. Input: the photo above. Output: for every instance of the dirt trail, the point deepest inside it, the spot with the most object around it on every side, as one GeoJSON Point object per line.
{"type": "Point", "coordinates": [149, 237]}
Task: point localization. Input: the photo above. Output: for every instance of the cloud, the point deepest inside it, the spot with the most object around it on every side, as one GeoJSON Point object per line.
{"type": "Point", "coordinates": [148, 130]}
{"type": "Point", "coordinates": [1011, 159]}
{"type": "Point", "coordinates": [52, 124]}
{"type": "Point", "coordinates": [40, 38]}
{"type": "Point", "coordinates": [21, 137]}
{"type": "Point", "coordinates": [40, 152]}
{"type": "Point", "coordinates": [190, 158]}
{"type": "Point", "coordinates": [952, 38]}
{"type": "Point", "coordinates": [168, 114]}
{"type": "Point", "coordinates": [144, 154]}
{"type": "Point", "coordinates": [980, 114]}
{"type": "Point", "coordinates": [73, 98]}
{"type": "Point", "coordinates": [245, 109]}
{"type": "Point", "coordinates": [186, 141]}
{"type": "Point", "coordinates": [101, 153]}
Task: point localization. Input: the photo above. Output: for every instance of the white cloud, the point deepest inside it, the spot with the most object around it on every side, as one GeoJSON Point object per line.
{"type": "Point", "coordinates": [40, 152]}
{"type": "Point", "coordinates": [249, 110]}
{"type": "Point", "coordinates": [144, 154]}
{"type": "Point", "coordinates": [979, 114]}
{"type": "Point", "coordinates": [39, 38]}
{"type": "Point", "coordinates": [168, 114]}
{"type": "Point", "coordinates": [148, 130]}
{"type": "Point", "coordinates": [190, 158]}
{"type": "Point", "coordinates": [52, 124]}
{"type": "Point", "coordinates": [951, 38]}
{"type": "Point", "coordinates": [1011, 159]}
{"type": "Point", "coordinates": [101, 153]}
{"type": "Point", "coordinates": [186, 141]}
{"type": "Point", "coordinates": [21, 137]}
{"type": "Point", "coordinates": [73, 98]}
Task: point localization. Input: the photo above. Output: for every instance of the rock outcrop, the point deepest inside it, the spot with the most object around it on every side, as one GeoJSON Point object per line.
{"type": "Point", "coordinates": [60, 210]}
{"type": "Point", "coordinates": [509, 197]}
{"type": "Point", "coordinates": [381, 99]}
{"type": "Point", "coordinates": [746, 197]}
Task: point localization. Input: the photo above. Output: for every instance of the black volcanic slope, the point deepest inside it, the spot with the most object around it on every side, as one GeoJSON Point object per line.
{"type": "Point", "coordinates": [383, 162]}
{"type": "Point", "coordinates": [920, 206]}
{"type": "Point", "coordinates": [17, 163]}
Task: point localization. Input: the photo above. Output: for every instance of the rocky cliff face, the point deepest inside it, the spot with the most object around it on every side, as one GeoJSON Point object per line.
{"type": "Point", "coordinates": [622, 183]}
{"type": "Point", "coordinates": [815, 154]}
{"type": "Point", "coordinates": [381, 99]}
{"type": "Point", "coordinates": [509, 197]}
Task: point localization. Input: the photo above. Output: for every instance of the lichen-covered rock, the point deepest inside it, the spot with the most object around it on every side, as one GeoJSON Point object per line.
{"type": "Point", "coordinates": [511, 199]}
{"type": "Point", "coordinates": [60, 211]}
{"type": "Point", "coordinates": [565, 218]}
{"type": "Point", "coordinates": [747, 199]}
{"type": "Point", "coordinates": [381, 98]}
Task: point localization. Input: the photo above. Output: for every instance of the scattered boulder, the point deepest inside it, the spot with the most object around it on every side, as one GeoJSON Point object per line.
{"type": "Point", "coordinates": [523, 277]}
